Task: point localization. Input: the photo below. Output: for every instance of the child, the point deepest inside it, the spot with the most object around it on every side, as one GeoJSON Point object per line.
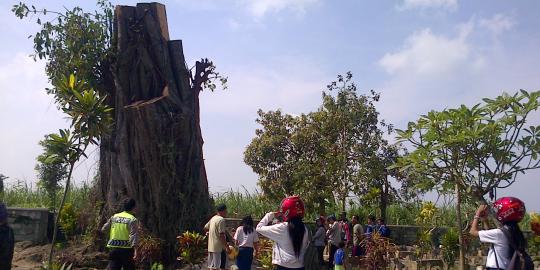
{"type": "Point", "coordinates": [339, 258]}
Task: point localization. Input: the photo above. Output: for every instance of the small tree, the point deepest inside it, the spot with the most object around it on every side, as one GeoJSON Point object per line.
{"type": "Point", "coordinates": [50, 173]}
{"type": "Point", "coordinates": [473, 151]}
{"type": "Point", "coordinates": [2, 178]}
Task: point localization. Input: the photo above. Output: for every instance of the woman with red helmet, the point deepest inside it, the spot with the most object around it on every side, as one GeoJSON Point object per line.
{"type": "Point", "coordinates": [509, 211]}
{"type": "Point", "coordinates": [290, 236]}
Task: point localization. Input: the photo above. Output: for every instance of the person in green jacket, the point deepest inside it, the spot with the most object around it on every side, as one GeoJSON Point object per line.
{"type": "Point", "coordinates": [7, 240]}
{"type": "Point", "coordinates": [123, 238]}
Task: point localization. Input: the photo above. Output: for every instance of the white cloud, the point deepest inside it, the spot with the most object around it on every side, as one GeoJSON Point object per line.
{"type": "Point", "coordinates": [422, 4]}
{"type": "Point", "coordinates": [259, 8]}
{"type": "Point", "coordinates": [428, 54]}
{"type": "Point", "coordinates": [498, 23]}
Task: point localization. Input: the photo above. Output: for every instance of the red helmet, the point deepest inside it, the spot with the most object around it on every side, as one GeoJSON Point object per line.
{"type": "Point", "coordinates": [509, 209]}
{"type": "Point", "coordinates": [292, 207]}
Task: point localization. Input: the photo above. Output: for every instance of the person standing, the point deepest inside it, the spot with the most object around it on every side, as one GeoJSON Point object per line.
{"type": "Point", "coordinates": [382, 229]}
{"type": "Point", "coordinates": [291, 237]}
{"type": "Point", "coordinates": [247, 241]}
{"type": "Point", "coordinates": [506, 239]}
{"type": "Point", "coordinates": [371, 227]}
{"type": "Point", "coordinates": [7, 240]}
{"type": "Point", "coordinates": [123, 237]}
{"type": "Point", "coordinates": [334, 238]}
{"type": "Point", "coordinates": [345, 228]}
{"type": "Point", "coordinates": [217, 241]}
{"type": "Point", "coordinates": [340, 257]}
{"type": "Point", "coordinates": [357, 236]}
{"type": "Point", "coordinates": [318, 239]}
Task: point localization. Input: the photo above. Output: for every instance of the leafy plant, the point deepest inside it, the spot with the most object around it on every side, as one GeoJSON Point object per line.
{"type": "Point", "coordinates": [450, 247]}
{"type": "Point", "coordinates": [149, 248]}
{"type": "Point", "coordinates": [192, 248]}
{"type": "Point", "coordinates": [68, 219]}
{"type": "Point", "coordinates": [264, 256]}
{"type": "Point", "coordinates": [379, 251]}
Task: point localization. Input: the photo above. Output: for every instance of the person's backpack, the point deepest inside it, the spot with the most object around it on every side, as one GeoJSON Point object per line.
{"type": "Point", "coordinates": [520, 259]}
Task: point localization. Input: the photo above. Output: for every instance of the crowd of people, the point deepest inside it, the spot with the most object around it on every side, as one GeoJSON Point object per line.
{"type": "Point", "coordinates": [341, 238]}
{"type": "Point", "coordinates": [338, 236]}
{"type": "Point", "coordinates": [291, 237]}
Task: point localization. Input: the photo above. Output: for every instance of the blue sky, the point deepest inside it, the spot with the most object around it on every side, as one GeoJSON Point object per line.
{"type": "Point", "coordinates": [420, 54]}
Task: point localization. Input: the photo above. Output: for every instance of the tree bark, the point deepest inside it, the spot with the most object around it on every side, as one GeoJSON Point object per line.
{"type": "Point", "coordinates": [154, 153]}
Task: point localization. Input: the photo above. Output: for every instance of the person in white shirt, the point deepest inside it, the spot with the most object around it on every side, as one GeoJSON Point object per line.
{"type": "Point", "coordinates": [247, 241]}
{"type": "Point", "coordinates": [334, 238]}
{"type": "Point", "coordinates": [509, 211]}
{"type": "Point", "coordinates": [290, 237]}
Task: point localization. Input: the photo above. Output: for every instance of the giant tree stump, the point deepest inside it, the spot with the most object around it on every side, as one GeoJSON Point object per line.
{"type": "Point", "coordinates": [154, 153]}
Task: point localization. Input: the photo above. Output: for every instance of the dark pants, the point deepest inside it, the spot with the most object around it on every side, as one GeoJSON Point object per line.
{"type": "Point", "coordinates": [223, 259]}
{"type": "Point", "coordinates": [279, 267]}
{"type": "Point", "coordinates": [357, 251]}
{"type": "Point", "coordinates": [320, 254]}
{"type": "Point", "coordinates": [333, 250]}
{"type": "Point", "coordinates": [121, 258]}
{"type": "Point", "coordinates": [244, 258]}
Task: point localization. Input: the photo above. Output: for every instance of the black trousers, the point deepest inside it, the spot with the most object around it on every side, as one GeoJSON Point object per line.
{"type": "Point", "coordinates": [121, 258]}
{"type": "Point", "coordinates": [320, 254]}
{"type": "Point", "coordinates": [333, 250]}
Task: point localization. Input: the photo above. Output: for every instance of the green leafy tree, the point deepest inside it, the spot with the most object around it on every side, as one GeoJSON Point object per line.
{"type": "Point", "coordinates": [50, 172]}
{"type": "Point", "coordinates": [286, 155]}
{"type": "Point", "coordinates": [473, 151]}
{"type": "Point", "coordinates": [351, 135]}
{"type": "Point", "coordinates": [326, 154]}
{"type": "Point", "coordinates": [2, 178]}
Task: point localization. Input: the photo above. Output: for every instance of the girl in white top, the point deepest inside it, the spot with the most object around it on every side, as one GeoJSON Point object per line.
{"type": "Point", "coordinates": [247, 241]}
{"type": "Point", "coordinates": [509, 211]}
{"type": "Point", "coordinates": [290, 237]}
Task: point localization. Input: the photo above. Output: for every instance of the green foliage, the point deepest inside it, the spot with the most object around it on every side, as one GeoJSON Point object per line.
{"type": "Point", "coordinates": [22, 194]}
{"type": "Point", "coordinates": [192, 248]}
{"type": "Point", "coordinates": [326, 154]}
{"type": "Point", "coordinates": [57, 266]}
{"type": "Point", "coordinates": [73, 41]}
{"type": "Point", "coordinates": [480, 148]}
{"type": "Point", "coordinates": [264, 256]}
{"type": "Point", "coordinates": [2, 178]}
{"type": "Point", "coordinates": [450, 246]}
{"type": "Point", "coordinates": [68, 219]}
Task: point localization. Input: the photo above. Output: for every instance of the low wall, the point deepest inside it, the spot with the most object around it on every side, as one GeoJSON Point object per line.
{"type": "Point", "coordinates": [29, 224]}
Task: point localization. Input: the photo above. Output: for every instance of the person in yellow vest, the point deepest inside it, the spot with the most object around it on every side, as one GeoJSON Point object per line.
{"type": "Point", "coordinates": [123, 238]}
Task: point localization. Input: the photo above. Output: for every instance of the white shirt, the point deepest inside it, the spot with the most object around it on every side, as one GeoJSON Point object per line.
{"type": "Point", "coordinates": [334, 233]}
{"type": "Point", "coordinates": [282, 250]}
{"type": "Point", "coordinates": [245, 240]}
{"type": "Point", "coordinates": [501, 245]}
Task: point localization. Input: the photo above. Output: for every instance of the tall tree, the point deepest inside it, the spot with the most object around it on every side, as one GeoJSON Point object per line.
{"type": "Point", "coordinates": [473, 151]}
{"type": "Point", "coordinates": [350, 134]}
{"type": "Point", "coordinates": [286, 155]}
{"type": "Point", "coordinates": [320, 154]}
{"type": "Point", "coordinates": [154, 151]}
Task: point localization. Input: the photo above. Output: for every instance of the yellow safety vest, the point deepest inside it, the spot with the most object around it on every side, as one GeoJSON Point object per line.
{"type": "Point", "coordinates": [119, 237]}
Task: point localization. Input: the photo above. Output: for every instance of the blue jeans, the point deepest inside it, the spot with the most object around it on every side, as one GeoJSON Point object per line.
{"type": "Point", "coordinates": [244, 258]}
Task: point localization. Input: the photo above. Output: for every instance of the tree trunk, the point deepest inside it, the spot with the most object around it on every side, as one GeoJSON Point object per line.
{"type": "Point", "coordinates": [154, 153]}
{"type": "Point", "coordinates": [460, 233]}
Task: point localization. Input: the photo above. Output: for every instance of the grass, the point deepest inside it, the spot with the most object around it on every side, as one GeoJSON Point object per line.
{"type": "Point", "coordinates": [22, 194]}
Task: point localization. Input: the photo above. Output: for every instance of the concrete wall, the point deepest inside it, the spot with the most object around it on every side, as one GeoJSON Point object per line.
{"type": "Point", "coordinates": [29, 224]}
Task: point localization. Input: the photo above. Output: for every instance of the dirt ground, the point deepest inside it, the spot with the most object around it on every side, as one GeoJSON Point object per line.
{"type": "Point", "coordinates": [28, 256]}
